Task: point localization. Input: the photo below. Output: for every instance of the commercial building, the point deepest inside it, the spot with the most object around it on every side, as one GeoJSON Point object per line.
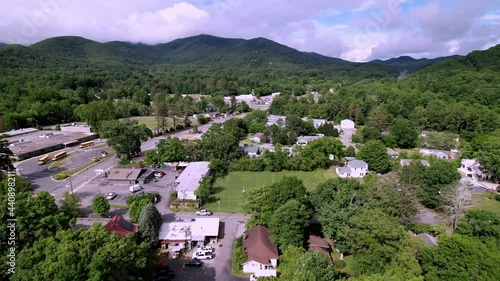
{"type": "Point", "coordinates": [189, 234]}
{"type": "Point", "coordinates": [129, 176]}
{"type": "Point", "coordinates": [189, 180]}
{"type": "Point", "coordinates": [28, 143]}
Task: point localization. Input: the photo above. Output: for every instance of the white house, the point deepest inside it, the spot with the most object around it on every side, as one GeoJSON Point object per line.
{"type": "Point", "coordinates": [304, 140]}
{"type": "Point", "coordinates": [471, 168]}
{"type": "Point", "coordinates": [258, 138]}
{"type": "Point", "coordinates": [347, 124]}
{"type": "Point", "coordinates": [189, 180]}
{"type": "Point", "coordinates": [262, 254]}
{"type": "Point", "coordinates": [354, 169]}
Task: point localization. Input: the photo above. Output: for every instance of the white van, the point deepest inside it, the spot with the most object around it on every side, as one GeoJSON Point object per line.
{"type": "Point", "coordinates": [135, 188]}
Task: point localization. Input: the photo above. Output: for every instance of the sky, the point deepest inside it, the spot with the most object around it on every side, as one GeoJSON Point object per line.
{"type": "Point", "coordinates": [355, 30]}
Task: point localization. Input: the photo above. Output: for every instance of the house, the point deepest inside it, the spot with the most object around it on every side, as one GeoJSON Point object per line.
{"type": "Point", "coordinates": [473, 185]}
{"type": "Point", "coordinates": [425, 133]}
{"type": "Point", "coordinates": [304, 140]}
{"type": "Point", "coordinates": [428, 239]}
{"type": "Point", "coordinates": [353, 169]}
{"type": "Point", "coordinates": [318, 244]}
{"type": "Point", "coordinates": [189, 233]}
{"type": "Point", "coordinates": [274, 119]}
{"type": "Point", "coordinates": [258, 138]}
{"type": "Point", "coordinates": [393, 154]}
{"type": "Point", "coordinates": [406, 162]}
{"type": "Point", "coordinates": [261, 252]}
{"type": "Point", "coordinates": [441, 154]}
{"type": "Point", "coordinates": [471, 168]}
{"type": "Point", "coordinates": [128, 176]}
{"type": "Point", "coordinates": [251, 150]}
{"type": "Point", "coordinates": [120, 226]}
{"type": "Point", "coordinates": [189, 180]}
{"type": "Point", "coordinates": [347, 124]}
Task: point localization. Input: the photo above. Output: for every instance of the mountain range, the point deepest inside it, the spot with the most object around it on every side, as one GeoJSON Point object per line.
{"type": "Point", "coordinates": [201, 50]}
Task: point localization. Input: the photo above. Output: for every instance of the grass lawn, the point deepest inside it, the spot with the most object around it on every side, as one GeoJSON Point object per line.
{"type": "Point", "coordinates": [232, 185]}
{"type": "Point", "coordinates": [481, 201]}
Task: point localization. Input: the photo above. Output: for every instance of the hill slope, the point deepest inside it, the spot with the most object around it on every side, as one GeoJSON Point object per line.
{"type": "Point", "coordinates": [408, 63]}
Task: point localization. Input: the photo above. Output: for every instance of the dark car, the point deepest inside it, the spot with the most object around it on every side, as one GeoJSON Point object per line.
{"type": "Point", "coordinates": [193, 263]}
{"type": "Point", "coordinates": [164, 273]}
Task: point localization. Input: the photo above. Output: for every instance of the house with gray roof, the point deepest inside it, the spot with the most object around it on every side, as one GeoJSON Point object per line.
{"type": "Point", "coordinates": [428, 239]}
{"type": "Point", "coordinates": [353, 169]}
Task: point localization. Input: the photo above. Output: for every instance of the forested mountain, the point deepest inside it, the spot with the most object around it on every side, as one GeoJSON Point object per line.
{"type": "Point", "coordinates": [2, 44]}
{"type": "Point", "coordinates": [42, 84]}
{"type": "Point", "coordinates": [408, 63]}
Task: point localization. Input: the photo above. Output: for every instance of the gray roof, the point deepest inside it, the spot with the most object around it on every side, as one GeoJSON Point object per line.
{"type": "Point", "coordinates": [189, 180]}
{"type": "Point", "coordinates": [257, 135]}
{"type": "Point", "coordinates": [344, 170]}
{"type": "Point", "coordinates": [19, 132]}
{"type": "Point", "coordinates": [360, 164]}
{"type": "Point", "coordinates": [428, 239]}
{"type": "Point", "coordinates": [251, 148]}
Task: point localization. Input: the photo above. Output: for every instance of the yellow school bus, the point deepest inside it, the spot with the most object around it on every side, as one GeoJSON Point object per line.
{"type": "Point", "coordinates": [59, 155]}
{"type": "Point", "coordinates": [86, 144]}
{"type": "Point", "coordinates": [44, 159]}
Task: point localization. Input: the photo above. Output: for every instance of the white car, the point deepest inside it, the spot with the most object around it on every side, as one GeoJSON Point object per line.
{"type": "Point", "coordinates": [203, 256]}
{"type": "Point", "coordinates": [206, 249]}
{"type": "Point", "coordinates": [203, 213]}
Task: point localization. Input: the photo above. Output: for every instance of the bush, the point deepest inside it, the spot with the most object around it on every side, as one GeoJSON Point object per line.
{"type": "Point", "coordinates": [61, 175]}
{"type": "Point", "coordinates": [58, 127]}
{"type": "Point", "coordinates": [239, 256]}
{"type": "Point", "coordinates": [339, 264]}
{"type": "Point", "coordinates": [100, 205]}
{"type": "Point", "coordinates": [497, 197]}
{"type": "Point", "coordinates": [150, 196]}
{"type": "Point", "coordinates": [173, 196]}
{"type": "Point", "coordinates": [202, 119]}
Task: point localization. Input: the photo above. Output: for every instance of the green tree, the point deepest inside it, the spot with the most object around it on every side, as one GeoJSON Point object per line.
{"type": "Point", "coordinates": [306, 266]}
{"type": "Point", "coordinates": [327, 129]}
{"type": "Point", "coordinates": [350, 151]}
{"type": "Point", "coordinates": [379, 117]}
{"type": "Point", "coordinates": [438, 175]}
{"type": "Point", "coordinates": [369, 133]}
{"type": "Point", "coordinates": [336, 200]}
{"type": "Point", "coordinates": [375, 154]}
{"type": "Point", "coordinates": [459, 258]}
{"type": "Point", "coordinates": [454, 199]}
{"type": "Point", "coordinates": [206, 189]}
{"type": "Point", "coordinates": [404, 132]}
{"type": "Point", "coordinates": [149, 224]}
{"type": "Point", "coordinates": [125, 137]}
{"type": "Point", "coordinates": [288, 223]}
{"type": "Point", "coordinates": [5, 154]}
{"type": "Point", "coordinates": [100, 205]}
{"type": "Point", "coordinates": [95, 113]}
{"type": "Point", "coordinates": [171, 150]}
{"type": "Point", "coordinates": [316, 154]}
{"type": "Point", "coordinates": [137, 206]}
{"type": "Point", "coordinates": [479, 223]}
{"type": "Point", "coordinates": [70, 204]}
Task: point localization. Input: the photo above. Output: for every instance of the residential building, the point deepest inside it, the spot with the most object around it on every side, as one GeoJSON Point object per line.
{"type": "Point", "coordinates": [189, 180]}
{"type": "Point", "coordinates": [353, 169]}
{"type": "Point", "coordinates": [406, 162]}
{"type": "Point", "coordinates": [274, 119]}
{"type": "Point", "coordinates": [318, 244]}
{"type": "Point", "coordinates": [347, 124]}
{"type": "Point", "coordinates": [471, 168]}
{"type": "Point", "coordinates": [251, 150]}
{"type": "Point", "coordinates": [120, 226]}
{"type": "Point", "coordinates": [258, 138]}
{"type": "Point", "coordinates": [441, 154]}
{"type": "Point", "coordinates": [189, 234]}
{"type": "Point", "coordinates": [393, 154]}
{"type": "Point", "coordinates": [304, 140]}
{"type": "Point", "coordinates": [261, 252]}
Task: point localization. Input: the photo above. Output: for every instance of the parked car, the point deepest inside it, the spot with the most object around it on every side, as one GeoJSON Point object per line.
{"type": "Point", "coordinates": [135, 188]}
{"type": "Point", "coordinates": [204, 255]}
{"type": "Point", "coordinates": [193, 263]}
{"type": "Point", "coordinates": [178, 219]}
{"type": "Point", "coordinates": [111, 196]}
{"type": "Point", "coordinates": [164, 272]}
{"type": "Point", "coordinates": [206, 249]}
{"type": "Point", "coordinates": [159, 174]}
{"type": "Point", "coordinates": [203, 212]}
{"type": "Point", "coordinates": [162, 265]}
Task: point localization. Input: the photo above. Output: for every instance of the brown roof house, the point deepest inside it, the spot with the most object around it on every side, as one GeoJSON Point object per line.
{"type": "Point", "coordinates": [120, 226]}
{"type": "Point", "coordinates": [261, 252]}
{"type": "Point", "coordinates": [318, 244]}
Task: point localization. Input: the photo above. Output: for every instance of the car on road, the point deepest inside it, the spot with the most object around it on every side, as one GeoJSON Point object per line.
{"type": "Point", "coordinates": [193, 263]}
{"type": "Point", "coordinates": [178, 219]}
{"type": "Point", "coordinates": [203, 212]}
{"type": "Point", "coordinates": [204, 255]}
{"type": "Point", "coordinates": [135, 188]}
{"type": "Point", "coordinates": [111, 196]}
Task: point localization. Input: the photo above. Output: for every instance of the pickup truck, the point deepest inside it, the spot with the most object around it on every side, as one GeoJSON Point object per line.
{"type": "Point", "coordinates": [203, 213]}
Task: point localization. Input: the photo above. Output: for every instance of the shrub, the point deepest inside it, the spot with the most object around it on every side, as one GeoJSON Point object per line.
{"type": "Point", "coordinates": [61, 175]}
{"type": "Point", "coordinates": [58, 127]}
{"type": "Point", "coordinates": [339, 264]}
{"type": "Point", "coordinates": [497, 197]}
{"type": "Point", "coordinates": [173, 196]}
{"type": "Point", "coordinates": [239, 256]}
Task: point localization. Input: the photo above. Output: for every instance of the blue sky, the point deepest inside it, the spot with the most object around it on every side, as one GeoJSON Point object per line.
{"type": "Point", "coordinates": [356, 30]}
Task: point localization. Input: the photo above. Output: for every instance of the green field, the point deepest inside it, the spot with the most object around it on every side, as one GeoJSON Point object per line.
{"type": "Point", "coordinates": [481, 201]}
{"type": "Point", "coordinates": [233, 184]}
